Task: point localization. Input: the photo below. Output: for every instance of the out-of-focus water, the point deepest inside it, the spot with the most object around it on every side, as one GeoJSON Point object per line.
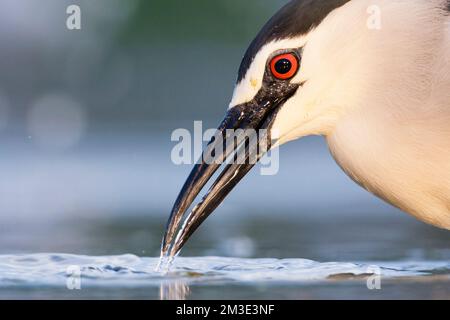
{"type": "Point", "coordinates": [110, 198]}
{"type": "Point", "coordinates": [129, 276]}
{"type": "Point", "coordinates": [414, 260]}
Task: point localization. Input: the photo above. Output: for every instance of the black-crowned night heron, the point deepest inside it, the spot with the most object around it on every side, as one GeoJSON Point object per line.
{"type": "Point", "coordinates": [372, 76]}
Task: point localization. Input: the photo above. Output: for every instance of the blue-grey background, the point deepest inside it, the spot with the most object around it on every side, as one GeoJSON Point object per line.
{"type": "Point", "coordinates": [85, 124]}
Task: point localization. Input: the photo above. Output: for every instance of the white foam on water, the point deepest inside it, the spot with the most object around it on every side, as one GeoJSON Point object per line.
{"type": "Point", "coordinates": [40, 270]}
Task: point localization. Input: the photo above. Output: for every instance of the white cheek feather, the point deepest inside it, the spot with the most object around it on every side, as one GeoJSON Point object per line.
{"type": "Point", "coordinates": [249, 86]}
{"type": "Point", "coordinates": [391, 103]}
{"type": "Point", "coordinates": [348, 65]}
{"type": "Point", "coordinates": [380, 96]}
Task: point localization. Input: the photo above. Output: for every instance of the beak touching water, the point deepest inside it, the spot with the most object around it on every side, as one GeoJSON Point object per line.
{"type": "Point", "coordinates": [241, 140]}
{"type": "Point", "coordinates": [257, 116]}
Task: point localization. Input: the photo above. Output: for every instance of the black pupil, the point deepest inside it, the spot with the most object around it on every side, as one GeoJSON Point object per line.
{"type": "Point", "coordinates": [283, 66]}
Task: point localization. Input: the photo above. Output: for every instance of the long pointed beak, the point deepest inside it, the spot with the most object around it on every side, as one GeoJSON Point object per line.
{"type": "Point", "coordinates": [248, 152]}
{"type": "Point", "coordinates": [257, 114]}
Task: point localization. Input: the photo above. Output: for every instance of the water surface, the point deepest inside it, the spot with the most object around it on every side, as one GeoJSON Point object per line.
{"type": "Point", "coordinates": [107, 206]}
{"type": "Point", "coordinates": [130, 276]}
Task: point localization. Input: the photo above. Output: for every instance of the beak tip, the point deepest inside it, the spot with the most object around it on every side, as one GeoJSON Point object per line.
{"type": "Point", "coordinates": [178, 232]}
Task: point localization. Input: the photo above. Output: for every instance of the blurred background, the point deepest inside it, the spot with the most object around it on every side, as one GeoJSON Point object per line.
{"type": "Point", "coordinates": [86, 118]}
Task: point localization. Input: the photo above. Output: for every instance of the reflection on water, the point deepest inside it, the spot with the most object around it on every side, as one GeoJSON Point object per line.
{"type": "Point", "coordinates": [176, 290]}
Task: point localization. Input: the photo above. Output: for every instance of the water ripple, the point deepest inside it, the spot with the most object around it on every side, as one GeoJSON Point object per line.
{"type": "Point", "coordinates": [128, 270]}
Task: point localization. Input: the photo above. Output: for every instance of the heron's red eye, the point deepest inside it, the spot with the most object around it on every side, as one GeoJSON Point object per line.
{"type": "Point", "coordinates": [284, 66]}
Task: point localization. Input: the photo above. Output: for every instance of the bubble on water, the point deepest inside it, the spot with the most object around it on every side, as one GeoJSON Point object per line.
{"type": "Point", "coordinates": [56, 121]}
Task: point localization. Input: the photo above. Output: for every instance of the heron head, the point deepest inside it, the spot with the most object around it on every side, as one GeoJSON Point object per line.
{"type": "Point", "coordinates": [312, 64]}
